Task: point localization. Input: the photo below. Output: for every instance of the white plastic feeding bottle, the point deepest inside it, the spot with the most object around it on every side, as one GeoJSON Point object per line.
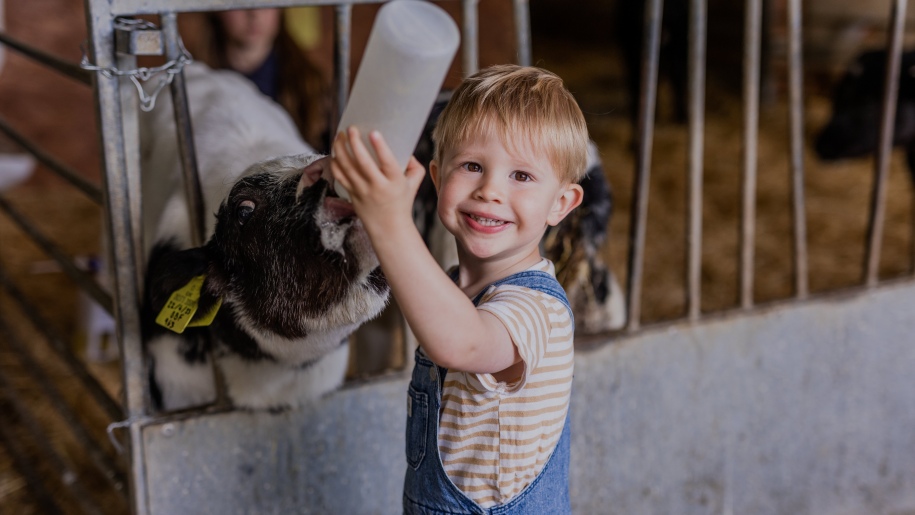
{"type": "Point", "coordinates": [408, 53]}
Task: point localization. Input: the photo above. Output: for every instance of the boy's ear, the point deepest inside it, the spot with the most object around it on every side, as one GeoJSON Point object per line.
{"type": "Point", "coordinates": [433, 174]}
{"type": "Point", "coordinates": [569, 199]}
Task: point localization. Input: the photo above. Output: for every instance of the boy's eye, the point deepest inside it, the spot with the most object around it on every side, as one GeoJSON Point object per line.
{"type": "Point", "coordinates": [472, 167]}
{"type": "Point", "coordinates": [522, 176]}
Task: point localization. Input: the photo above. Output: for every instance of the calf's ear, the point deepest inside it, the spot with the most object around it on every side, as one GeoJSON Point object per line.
{"type": "Point", "coordinates": [177, 280]}
{"type": "Point", "coordinates": [170, 269]}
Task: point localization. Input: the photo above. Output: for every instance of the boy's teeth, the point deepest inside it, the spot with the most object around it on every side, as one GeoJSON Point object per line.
{"type": "Point", "coordinates": [486, 221]}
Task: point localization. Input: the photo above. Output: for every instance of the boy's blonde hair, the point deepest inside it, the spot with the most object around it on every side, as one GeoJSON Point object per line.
{"type": "Point", "coordinates": [511, 101]}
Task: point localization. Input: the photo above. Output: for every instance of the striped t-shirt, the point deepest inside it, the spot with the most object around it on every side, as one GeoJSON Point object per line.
{"type": "Point", "coordinates": [495, 438]}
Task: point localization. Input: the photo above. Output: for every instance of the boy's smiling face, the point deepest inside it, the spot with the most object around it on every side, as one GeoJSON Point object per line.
{"type": "Point", "coordinates": [497, 199]}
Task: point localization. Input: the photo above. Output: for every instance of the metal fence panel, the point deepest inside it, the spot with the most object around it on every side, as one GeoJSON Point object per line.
{"type": "Point", "coordinates": [801, 409]}
{"type": "Point", "coordinates": [343, 454]}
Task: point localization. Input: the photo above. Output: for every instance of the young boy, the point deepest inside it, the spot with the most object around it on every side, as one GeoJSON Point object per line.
{"type": "Point", "coordinates": [487, 428]}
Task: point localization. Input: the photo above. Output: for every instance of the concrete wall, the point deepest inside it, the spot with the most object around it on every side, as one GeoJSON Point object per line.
{"type": "Point", "coordinates": [803, 409]}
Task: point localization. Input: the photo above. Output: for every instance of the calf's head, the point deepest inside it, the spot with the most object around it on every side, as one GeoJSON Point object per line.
{"type": "Point", "coordinates": [287, 257]}
{"type": "Point", "coordinates": [857, 104]}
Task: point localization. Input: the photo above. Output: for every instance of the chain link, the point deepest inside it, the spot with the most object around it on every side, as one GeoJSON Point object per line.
{"type": "Point", "coordinates": [142, 74]}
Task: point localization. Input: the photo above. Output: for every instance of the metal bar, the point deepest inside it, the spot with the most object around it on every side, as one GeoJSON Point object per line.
{"type": "Point", "coordinates": [342, 50]}
{"type": "Point", "coordinates": [24, 464]}
{"type": "Point", "coordinates": [193, 190]}
{"type": "Point", "coordinates": [67, 473]}
{"type": "Point", "coordinates": [84, 280]}
{"type": "Point", "coordinates": [697, 46]}
{"type": "Point", "coordinates": [523, 31]}
{"type": "Point", "coordinates": [99, 458]}
{"type": "Point", "coordinates": [751, 64]}
{"type": "Point", "coordinates": [885, 142]}
{"type": "Point", "coordinates": [65, 172]}
{"type": "Point", "coordinates": [130, 105]}
{"type": "Point", "coordinates": [188, 152]}
{"type": "Point", "coordinates": [645, 135]}
{"type": "Point", "coordinates": [67, 68]}
{"type": "Point", "coordinates": [470, 44]}
{"type": "Point", "coordinates": [796, 137]}
{"type": "Point", "coordinates": [135, 7]}
{"type": "Point", "coordinates": [122, 254]}
{"type": "Point", "coordinates": [111, 408]}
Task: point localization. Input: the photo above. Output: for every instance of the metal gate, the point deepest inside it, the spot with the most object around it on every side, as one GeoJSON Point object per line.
{"type": "Point", "coordinates": [116, 38]}
{"type": "Point", "coordinates": [150, 475]}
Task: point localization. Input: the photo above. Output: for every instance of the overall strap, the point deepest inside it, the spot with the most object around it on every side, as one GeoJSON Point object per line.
{"type": "Point", "coordinates": [535, 280]}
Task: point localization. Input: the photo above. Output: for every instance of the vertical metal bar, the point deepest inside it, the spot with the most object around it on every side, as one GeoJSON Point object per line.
{"type": "Point", "coordinates": [99, 22]}
{"type": "Point", "coordinates": [192, 190]}
{"type": "Point", "coordinates": [751, 64]}
{"type": "Point", "coordinates": [523, 31]}
{"type": "Point", "coordinates": [796, 107]}
{"type": "Point", "coordinates": [697, 44]}
{"type": "Point", "coordinates": [470, 44]}
{"type": "Point", "coordinates": [129, 108]}
{"type": "Point", "coordinates": [342, 50]}
{"type": "Point", "coordinates": [885, 142]}
{"type": "Point", "coordinates": [645, 135]}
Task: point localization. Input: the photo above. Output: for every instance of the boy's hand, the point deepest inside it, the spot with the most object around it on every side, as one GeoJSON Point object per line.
{"type": "Point", "coordinates": [381, 192]}
{"type": "Point", "coordinates": [382, 195]}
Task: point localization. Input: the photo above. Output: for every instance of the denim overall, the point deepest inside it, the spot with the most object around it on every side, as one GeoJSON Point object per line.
{"type": "Point", "coordinates": [427, 488]}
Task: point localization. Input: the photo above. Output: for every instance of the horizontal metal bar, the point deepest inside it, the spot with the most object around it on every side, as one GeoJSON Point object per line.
{"type": "Point", "coordinates": [111, 408]}
{"type": "Point", "coordinates": [130, 7]}
{"type": "Point", "coordinates": [65, 172]}
{"type": "Point", "coordinates": [67, 68]}
{"type": "Point", "coordinates": [84, 280]}
{"type": "Point", "coordinates": [105, 464]}
{"type": "Point", "coordinates": [26, 467]}
{"type": "Point", "coordinates": [40, 439]}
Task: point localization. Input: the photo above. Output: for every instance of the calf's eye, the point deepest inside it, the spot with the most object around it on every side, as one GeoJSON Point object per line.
{"type": "Point", "coordinates": [244, 211]}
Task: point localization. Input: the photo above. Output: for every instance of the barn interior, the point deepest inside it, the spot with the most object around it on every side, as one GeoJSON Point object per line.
{"type": "Point", "coordinates": [580, 42]}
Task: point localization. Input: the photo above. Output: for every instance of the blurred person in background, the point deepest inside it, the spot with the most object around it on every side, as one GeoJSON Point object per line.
{"type": "Point", "coordinates": [257, 44]}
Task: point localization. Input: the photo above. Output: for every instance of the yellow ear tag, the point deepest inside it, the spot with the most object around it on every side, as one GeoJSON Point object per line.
{"type": "Point", "coordinates": [181, 306]}
{"type": "Point", "coordinates": [207, 319]}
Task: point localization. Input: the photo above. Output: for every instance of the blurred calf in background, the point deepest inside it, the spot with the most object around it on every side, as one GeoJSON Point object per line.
{"type": "Point", "coordinates": [857, 104]}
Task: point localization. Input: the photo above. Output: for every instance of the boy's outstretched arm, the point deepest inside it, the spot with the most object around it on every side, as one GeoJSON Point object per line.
{"type": "Point", "coordinates": [450, 329]}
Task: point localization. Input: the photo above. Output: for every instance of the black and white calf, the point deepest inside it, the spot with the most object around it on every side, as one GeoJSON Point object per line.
{"type": "Point", "coordinates": [290, 263]}
{"type": "Point", "coordinates": [674, 45]}
{"type": "Point", "coordinates": [575, 246]}
{"type": "Point", "coordinates": [857, 105]}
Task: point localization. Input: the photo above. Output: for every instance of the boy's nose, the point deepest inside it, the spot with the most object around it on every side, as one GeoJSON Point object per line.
{"type": "Point", "coordinates": [489, 189]}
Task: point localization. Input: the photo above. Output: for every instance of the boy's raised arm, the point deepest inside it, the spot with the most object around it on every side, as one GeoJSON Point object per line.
{"type": "Point", "coordinates": [452, 332]}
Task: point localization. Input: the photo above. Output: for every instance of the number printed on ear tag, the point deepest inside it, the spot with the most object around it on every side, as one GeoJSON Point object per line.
{"type": "Point", "coordinates": [181, 306]}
